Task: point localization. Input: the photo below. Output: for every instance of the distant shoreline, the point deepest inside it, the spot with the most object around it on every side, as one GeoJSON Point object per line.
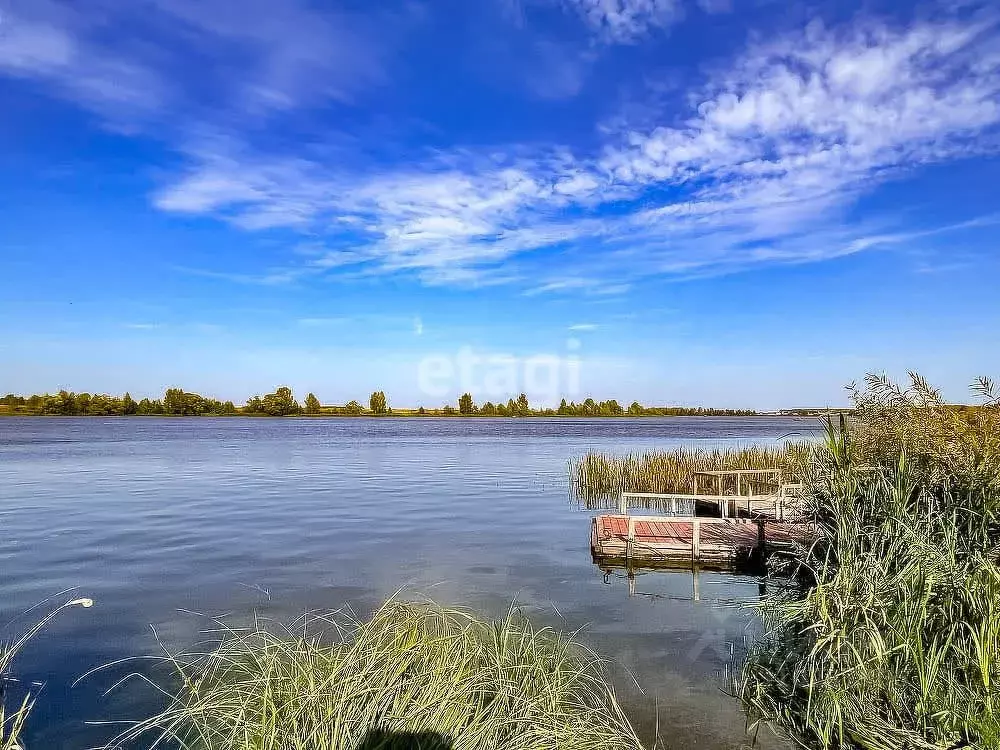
{"type": "Point", "coordinates": [282, 403]}
{"type": "Point", "coordinates": [429, 415]}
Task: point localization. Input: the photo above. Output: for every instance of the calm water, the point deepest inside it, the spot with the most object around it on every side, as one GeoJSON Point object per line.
{"type": "Point", "coordinates": [157, 519]}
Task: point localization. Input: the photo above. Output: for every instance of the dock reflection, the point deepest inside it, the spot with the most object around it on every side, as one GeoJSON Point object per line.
{"type": "Point", "coordinates": [632, 576]}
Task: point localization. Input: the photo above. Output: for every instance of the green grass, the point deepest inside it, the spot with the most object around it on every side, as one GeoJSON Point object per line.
{"type": "Point", "coordinates": [605, 475]}
{"type": "Point", "coordinates": [414, 675]}
{"type": "Point", "coordinates": [13, 720]}
{"type": "Point", "coordinates": [895, 640]}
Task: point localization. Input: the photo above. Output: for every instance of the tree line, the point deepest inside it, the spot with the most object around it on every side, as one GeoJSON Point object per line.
{"type": "Point", "coordinates": [282, 403]}
{"type": "Point", "coordinates": [586, 408]}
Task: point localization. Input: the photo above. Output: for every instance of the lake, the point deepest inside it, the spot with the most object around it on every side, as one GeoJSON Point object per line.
{"type": "Point", "coordinates": [162, 520]}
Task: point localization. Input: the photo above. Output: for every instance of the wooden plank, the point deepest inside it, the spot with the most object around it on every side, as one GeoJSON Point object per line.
{"type": "Point", "coordinates": [691, 540]}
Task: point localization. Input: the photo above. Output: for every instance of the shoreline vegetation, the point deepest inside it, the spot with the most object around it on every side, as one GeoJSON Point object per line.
{"type": "Point", "coordinates": [414, 675]}
{"type": "Point", "coordinates": [282, 403]}
{"type": "Point", "coordinates": [892, 637]}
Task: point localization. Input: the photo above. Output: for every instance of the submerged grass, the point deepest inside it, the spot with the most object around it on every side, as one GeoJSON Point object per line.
{"type": "Point", "coordinates": [895, 641]}
{"type": "Point", "coordinates": [606, 475]}
{"type": "Point", "coordinates": [412, 676]}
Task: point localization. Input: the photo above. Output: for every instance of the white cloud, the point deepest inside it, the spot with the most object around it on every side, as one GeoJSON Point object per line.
{"type": "Point", "coordinates": [626, 20]}
{"type": "Point", "coordinates": [757, 165]}
{"type": "Point", "coordinates": [194, 59]}
{"type": "Point", "coordinates": [583, 327]}
{"type": "Point", "coordinates": [758, 170]}
{"type": "Point", "coordinates": [29, 47]}
{"type": "Point", "coordinates": [50, 41]}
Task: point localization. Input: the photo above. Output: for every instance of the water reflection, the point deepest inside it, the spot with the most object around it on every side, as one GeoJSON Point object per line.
{"type": "Point", "coordinates": [274, 518]}
{"type": "Point", "coordinates": [634, 576]}
{"type": "Point", "coordinates": [730, 629]}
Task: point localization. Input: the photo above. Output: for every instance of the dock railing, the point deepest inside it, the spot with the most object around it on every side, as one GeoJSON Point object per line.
{"type": "Point", "coordinates": [785, 501]}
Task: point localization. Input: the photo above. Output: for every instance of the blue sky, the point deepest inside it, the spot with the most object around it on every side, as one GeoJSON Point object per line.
{"type": "Point", "coordinates": [719, 202]}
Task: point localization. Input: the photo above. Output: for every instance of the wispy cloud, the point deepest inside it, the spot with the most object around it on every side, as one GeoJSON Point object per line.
{"type": "Point", "coordinates": [756, 165]}
{"type": "Point", "coordinates": [625, 21]}
{"type": "Point", "coordinates": [289, 54]}
{"type": "Point", "coordinates": [583, 327]}
{"type": "Point", "coordinates": [592, 287]}
{"type": "Point", "coordinates": [774, 147]}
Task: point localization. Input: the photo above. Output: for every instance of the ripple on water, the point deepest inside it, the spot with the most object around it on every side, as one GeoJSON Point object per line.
{"type": "Point", "coordinates": [155, 516]}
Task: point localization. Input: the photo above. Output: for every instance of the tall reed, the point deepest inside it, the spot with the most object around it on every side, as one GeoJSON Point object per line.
{"type": "Point", "coordinates": [895, 643]}
{"type": "Point", "coordinates": [607, 475]}
{"type": "Point", "coordinates": [414, 675]}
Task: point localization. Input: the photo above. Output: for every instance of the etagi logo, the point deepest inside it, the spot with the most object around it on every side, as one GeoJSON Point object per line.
{"type": "Point", "coordinates": [494, 377]}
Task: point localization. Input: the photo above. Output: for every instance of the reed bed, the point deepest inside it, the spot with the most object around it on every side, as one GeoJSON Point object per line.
{"type": "Point", "coordinates": [413, 676]}
{"type": "Point", "coordinates": [599, 476]}
{"type": "Point", "coordinates": [895, 640]}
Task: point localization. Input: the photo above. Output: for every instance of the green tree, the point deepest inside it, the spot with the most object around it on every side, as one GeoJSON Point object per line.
{"type": "Point", "coordinates": [147, 407]}
{"type": "Point", "coordinates": [523, 409]}
{"type": "Point", "coordinates": [129, 405]}
{"type": "Point", "coordinates": [378, 404]}
{"type": "Point", "coordinates": [610, 408]}
{"type": "Point", "coordinates": [281, 403]}
{"type": "Point", "coordinates": [176, 401]}
{"type": "Point", "coordinates": [354, 409]}
{"type": "Point", "coordinates": [635, 409]}
{"type": "Point", "coordinates": [465, 404]}
{"type": "Point", "coordinates": [103, 405]}
{"type": "Point", "coordinates": [81, 403]}
{"type": "Point", "coordinates": [312, 404]}
{"type": "Point", "coordinates": [488, 409]}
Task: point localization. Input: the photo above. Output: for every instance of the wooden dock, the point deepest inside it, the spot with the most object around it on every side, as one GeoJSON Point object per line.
{"type": "Point", "coordinates": [693, 541]}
